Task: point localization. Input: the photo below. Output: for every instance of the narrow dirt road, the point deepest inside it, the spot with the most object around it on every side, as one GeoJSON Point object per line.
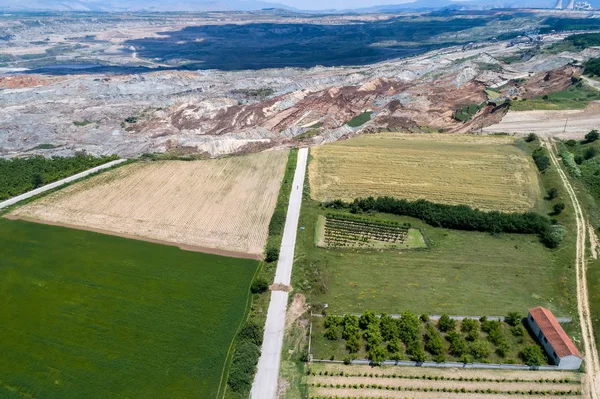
{"type": "Point", "coordinates": [265, 381]}
{"type": "Point", "coordinates": [592, 364]}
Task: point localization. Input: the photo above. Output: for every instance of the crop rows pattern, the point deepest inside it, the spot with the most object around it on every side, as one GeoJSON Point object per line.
{"type": "Point", "coordinates": [344, 231]}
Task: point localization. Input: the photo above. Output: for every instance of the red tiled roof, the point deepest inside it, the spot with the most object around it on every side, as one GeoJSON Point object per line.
{"type": "Point", "coordinates": [554, 333]}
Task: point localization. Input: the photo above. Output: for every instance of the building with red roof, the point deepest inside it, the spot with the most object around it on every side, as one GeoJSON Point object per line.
{"type": "Point", "coordinates": [554, 339]}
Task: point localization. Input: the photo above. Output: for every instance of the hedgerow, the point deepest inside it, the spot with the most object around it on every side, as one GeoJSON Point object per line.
{"type": "Point", "coordinates": [458, 217]}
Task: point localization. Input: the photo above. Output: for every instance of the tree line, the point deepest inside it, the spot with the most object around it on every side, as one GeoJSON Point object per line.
{"type": "Point", "coordinates": [457, 217]}
{"type": "Point", "coordinates": [20, 175]}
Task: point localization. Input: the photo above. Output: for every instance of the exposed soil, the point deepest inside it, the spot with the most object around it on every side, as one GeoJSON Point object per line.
{"type": "Point", "coordinates": [378, 393]}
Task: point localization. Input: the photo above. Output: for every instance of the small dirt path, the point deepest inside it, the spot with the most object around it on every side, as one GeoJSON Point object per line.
{"type": "Point", "coordinates": [592, 366]}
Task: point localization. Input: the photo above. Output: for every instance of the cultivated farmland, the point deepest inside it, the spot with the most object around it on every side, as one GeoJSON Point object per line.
{"type": "Point", "coordinates": [86, 315]}
{"type": "Point", "coordinates": [331, 381]}
{"type": "Point", "coordinates": [224, 204]}
{"type": "Point", "coordinates": [486, 172]}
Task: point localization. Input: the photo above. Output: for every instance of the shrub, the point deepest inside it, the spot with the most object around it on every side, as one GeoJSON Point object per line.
{"type": "Point", "coordinates": [333, 333]}
{"type": "Point", "coordinates": [368, 318]}
{"type": "Point", "coordinates": [377, 354]}
{"type": "Point", "coordinates": [531, 137]}
{"type": "Point", "coordinates": [446, 324]}
{"type": "Point", "coordinates": [533, 355]}
{"type": "Point", "coordinates": [388, 327]}
{"type": "Point", "coordinates": [252, 332]}
{"type": "Point", "coordinates": [458, 346]}
{"type": "Point", "coordinates": [259, 286]}
{"type": "Point", "coordinates": [480, 349]}
{"type": "Point", "coordinates": [424, 318]}
{"type": "Point", "coordinates": [552, 193]}
{"type": "Point", "coordinates": [468, 325]}
{"type": "Point", "coordinates": [558, 208]}
{"type": "Point", "coordinates": [351, 326]}
{"type": "Point", "coordinates": [272, 254]}
{"type": "Point", "coordinates": [333, 321]}
{"type": "Point", "coordinates": [394, 345]}
{"type": "Point", "coordinates": [433, 341]}
{"type": "Point", "coordinates": [415, 351]}
{"type": "Point", "coordinates": [353, 343]}
{"type": "Point", "coordinates": [541, 159]}
{"type": "Point", "coordinates": [518, 331]}
{"type": "Point", "coordinates": [243, 366]}
{"type": "Point", "coordinates": [513, 319]}
{"type": "Point", "coordinates": [409, 327]}
{"type": "Point", "coordinates": [592, 136]}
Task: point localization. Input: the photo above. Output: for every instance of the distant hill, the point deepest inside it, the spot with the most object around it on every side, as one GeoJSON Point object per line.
{"type": "Point", "coordinates": [465, 4]}
{"type": "Point", "coordinates": [137, 5]}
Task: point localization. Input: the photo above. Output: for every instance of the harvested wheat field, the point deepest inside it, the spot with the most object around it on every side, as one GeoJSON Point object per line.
{"type": "Point", "coordinates": [224, 204]}
{"type": "Point", "coordinates": [485, 172]}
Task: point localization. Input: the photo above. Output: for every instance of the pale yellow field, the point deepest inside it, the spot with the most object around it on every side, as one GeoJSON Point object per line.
{"type": "Point", "coordinates": [225, 204]}
{"type": "Point", "coordinates": [485, 172]}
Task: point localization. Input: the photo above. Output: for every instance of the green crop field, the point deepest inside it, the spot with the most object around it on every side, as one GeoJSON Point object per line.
{"type": "Point", "coordinates": [86, 315]}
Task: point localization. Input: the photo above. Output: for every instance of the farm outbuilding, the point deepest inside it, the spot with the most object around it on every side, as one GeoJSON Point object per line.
{"type": "Point", "coordinates": [554, 339]}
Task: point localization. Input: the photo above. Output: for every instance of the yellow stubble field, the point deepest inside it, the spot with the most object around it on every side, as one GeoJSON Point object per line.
{"type": "Point", "coordinates": [224, 204]}
{"type": "Point", "coordinates": [485, 172]}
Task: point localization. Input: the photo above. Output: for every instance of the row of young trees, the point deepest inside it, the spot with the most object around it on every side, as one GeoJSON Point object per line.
{"type": "Point", "coordinates": [19, 175]}
{"type": "Point", "coordinates": [385, 337]}
{"type": "Point", "coordinates": [458, 217]}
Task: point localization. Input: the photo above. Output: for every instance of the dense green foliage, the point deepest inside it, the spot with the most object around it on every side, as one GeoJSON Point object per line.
{"type": "Point", "coordinates": [19, 175]}
{"type": "Point", "coordinates": [360, 120]}
{"type": "Point", "coordinates": [105, 316]}
{"type": "Point", "coordinates": [592, 67]}
{"type": "Point", "coordinates": [409, 337]}
{"type": "Point", "coordinates": [467, 112]}
{"type": "Point", "coordinates": [459, 217]}
{"type": "Point", "coordinates": [577, 96]}
{"type": "Point", "coordinates": [245, 358]}
{"type": "Point", "coordinates": [541, 159]}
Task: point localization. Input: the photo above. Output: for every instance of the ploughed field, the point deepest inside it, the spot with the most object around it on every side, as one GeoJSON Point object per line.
{"type": "Point", "coordinates": [86, 315]}
{"type": "Point", "coordinates": [224, 204]}
{"type": "Point", "coordinates": [339, 381]}
{"type": "Point", "coordinates": [485, 172]}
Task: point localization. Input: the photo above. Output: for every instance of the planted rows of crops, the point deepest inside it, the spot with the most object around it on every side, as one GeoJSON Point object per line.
{"type": "Point", "coordinates": [444, 389]}
{"type": "Point", "coordinates": [348, 230]}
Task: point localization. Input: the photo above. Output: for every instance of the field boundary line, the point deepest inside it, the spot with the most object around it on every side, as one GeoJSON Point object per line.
{"type": "Point", "coordinates": [437, 317]}
{"type": "Point", "coordinates": [183, 247]}
{"type": "Point", "coordinates": [59, 183]}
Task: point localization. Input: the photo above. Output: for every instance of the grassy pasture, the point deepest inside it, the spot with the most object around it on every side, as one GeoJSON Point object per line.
{"type": "Point", "coordinates": [461, 273]}
{"type": "Point", "coordinates": [575, 97]}
{"type": "Point", "coordinates": [486, 172]}
{"type": "Point", "coordinates": [86, 315]}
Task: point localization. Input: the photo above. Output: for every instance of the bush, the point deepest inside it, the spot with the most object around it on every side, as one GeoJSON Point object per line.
{"type": "Point", "coordinates": [433, 341]}
{"type": "Point", "coordinates": [424, 318]}
{"type": "Point", "coordinates": [552, 193]}
{"type": "Point", "coordinates": [480, 349]}
{"type": "Point", "coordinates": [513, 319]}
{"type": "Point", "coordinates": [351, 326]}
{"type": "Point", "coordinates": [353, 343]}
{"type": "Point", "coordinates": [518, 331]}
{"type": "Point", "coordinates": [458, 346]}
{"type": "Point", "coordinates": [533, 355]}
{"type": "Point", "coordinates": [468, 325]}
{"type": "Point", "coordinates": [333, 333]}
{"type": "Point", "coordinates": [541, 159]}
{"type": "Point", "coordinates": [531, 137]}
{"type": "Point", "coordinates": [446, 324]}
{"type": "Point", "coordinates": [592, 136]}
{"type": "Point", "coordinates": [252, 332]}
{"type": "Point", "coordinates": [259, 286]}
{"type": "Point", "coordinates": [415, 351]}
{"type": "Point", "coordinates": [368, 318]}
{"type": "Point", "coordinates": [558, 208]}
{"type": "Point", "coordinates": [243, 366]}
{"type": "Point", "coordinates": [377, 354]}
{"type": "Point", "coordinates": [272, 254]}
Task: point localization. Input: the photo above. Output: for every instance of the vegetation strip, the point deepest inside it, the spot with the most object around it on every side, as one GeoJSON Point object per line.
{"type": "Point", "coordinates": [459, 217]}
{"type": "Point", "coordinates": [565, 380]}
{"type": "Point", "coordinates": [249, 339]}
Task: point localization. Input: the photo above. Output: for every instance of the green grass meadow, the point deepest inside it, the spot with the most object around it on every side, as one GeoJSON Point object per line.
{"type": "Point", "coordinates": [86, 315]}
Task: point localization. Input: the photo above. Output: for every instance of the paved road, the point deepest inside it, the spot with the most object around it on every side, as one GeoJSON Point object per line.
{"type": "Point", "coordinates": [265, 381]}
{"type": "Point", "coordinates": [59, 183]}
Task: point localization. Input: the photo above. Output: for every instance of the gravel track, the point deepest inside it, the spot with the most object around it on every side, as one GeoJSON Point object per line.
{"type": "Point", "coordinates": [592, 382]}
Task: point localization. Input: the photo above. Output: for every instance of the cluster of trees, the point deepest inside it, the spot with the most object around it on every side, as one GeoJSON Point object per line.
{"type": "Point", "coordinates": [584, 40]}
{"type": "Point", "coordinates": [245, 358]}
{"type": "Point", "coordinates": [386, 337]}
{"type": "Point", "coordinates": [541, 159]}
{"type": "Point", "coordinates": [458, 217]}
{"type": "Point", "coordinates": [592, 67]}
{"type": "Point", "coordinates": [20, 175]}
